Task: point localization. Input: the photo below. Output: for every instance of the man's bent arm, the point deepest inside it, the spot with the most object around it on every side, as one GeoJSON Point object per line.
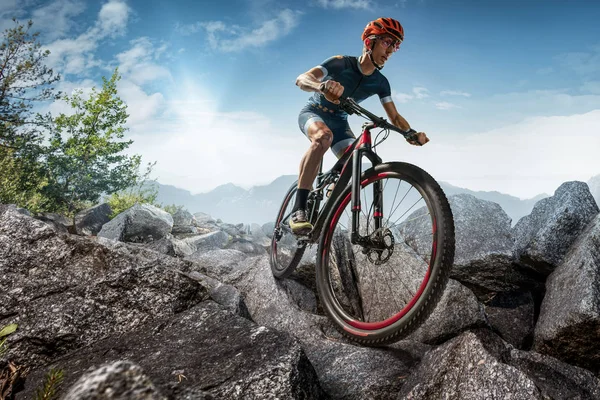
{"type": "Point", "coordinates": [310, 81]}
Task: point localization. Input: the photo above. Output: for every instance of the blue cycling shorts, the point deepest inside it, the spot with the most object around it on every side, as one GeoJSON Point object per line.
{"type": "Point", "coordinates": [342, 134]}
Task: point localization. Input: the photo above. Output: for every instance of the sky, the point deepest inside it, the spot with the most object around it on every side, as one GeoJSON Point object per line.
{"type": "Point", "coordinates": [507, 91]}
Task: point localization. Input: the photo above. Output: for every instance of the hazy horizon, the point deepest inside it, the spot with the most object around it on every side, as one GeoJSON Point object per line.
{"type": "Point", "coordinates": [461, 187]}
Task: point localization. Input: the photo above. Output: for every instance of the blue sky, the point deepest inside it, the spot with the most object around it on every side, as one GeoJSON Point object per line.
{"type": "Point", "coordinates": [508, 91]}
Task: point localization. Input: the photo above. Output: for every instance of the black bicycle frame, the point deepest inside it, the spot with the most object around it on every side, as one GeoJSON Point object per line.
{"type": "Point", "coordinates": [349, 167]}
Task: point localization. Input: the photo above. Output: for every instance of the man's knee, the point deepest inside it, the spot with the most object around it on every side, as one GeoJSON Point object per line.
{"type": "Point", "coordinates": [322, 139]}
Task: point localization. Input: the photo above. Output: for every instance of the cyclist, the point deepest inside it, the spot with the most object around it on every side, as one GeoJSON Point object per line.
{"type": "Point", "coordinates": [324, 123]}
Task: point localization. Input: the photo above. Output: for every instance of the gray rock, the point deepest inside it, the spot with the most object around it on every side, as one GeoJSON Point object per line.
{"type": "Point", "coordinates": [543, 238]}
{"type": "Point", "coordinates": [184, 223]}
{"type": "Point", "coordinates": [118, 380]}
{"type": "Point", "coordinates": [226, 295]}
{"type": "Point", "coordinates": [302, 296]}
{"type": "Point", "coordinates": [479, 365]}
{"type": "Point", "coordinates": [568, 327]}
{"type": "Point", "coordinates": [246, 246]}
{"type": "Point", "coordinates": [184, 231]}
{"type": "Point", "coordinates": [172, 247]}
{"type": "Point", "coordinates": [233, 230]}
{"type": "Point", "coordinates": [208, 241]}
{"type": "Point", "coordinates": [511, 314]}
{"type": "Point", "coordinates": [183, 218]}
{"type": "Point", "coordinates": [204, 223]}
{"type": "Point", "coordinates": [555, 379]}
{"type": "Point", "coordinates": [67, 291]}
{"type": "Point", "coordinates": [258, 236]}
{"type": "Point", "coordinates": [268, 229]}
{"type": "Point", "coordinates": [465, 368]}
{"type": "Point", "coordinates": [218, 262]}
{"type": "Point", "coordinates": [484, 244]}
{"type": "Point", "coordinates": [141, 223]}
{"type": "Point", "coordinates": [58, 222]}
{"type": "Point", "coordinates": [457, 311]}
{"type": "Point", "coordinates": [231, 298]}
{"type": "Point", "coordinates": [209, 349]}
{"type": "Point", "coordinates": [20, 209]}
{"type": "Point", "coordinates": [90, 221]}
{"type": "Point", "coordinates": [594, 185]}
{"type": "Point", "coordinates": [269, 300]}
{"type": "Point", "coordinates": [356, 373]}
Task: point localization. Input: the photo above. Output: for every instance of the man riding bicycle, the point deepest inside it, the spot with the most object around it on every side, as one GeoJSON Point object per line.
{"type": "Point", "coordinates": [321, 119]}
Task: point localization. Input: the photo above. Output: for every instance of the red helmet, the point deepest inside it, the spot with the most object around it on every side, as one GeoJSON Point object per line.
{"type": "Point", "coordinates": [382, 26]}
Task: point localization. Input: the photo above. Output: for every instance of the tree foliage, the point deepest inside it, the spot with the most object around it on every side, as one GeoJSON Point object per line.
{"type": "Point", "coordinates": [63, 163]}
{"type": "Point", "coordinates": [86, 156]}
{"type": "Point", "coordinates": [24, 80]}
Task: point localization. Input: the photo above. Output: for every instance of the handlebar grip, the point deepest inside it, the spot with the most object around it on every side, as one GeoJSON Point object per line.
{"type": "Point", "coordinates": [411, 135]}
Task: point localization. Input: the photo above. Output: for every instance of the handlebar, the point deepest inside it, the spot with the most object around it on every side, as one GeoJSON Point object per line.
{"type": "Point", "coordinates": [352, 107]}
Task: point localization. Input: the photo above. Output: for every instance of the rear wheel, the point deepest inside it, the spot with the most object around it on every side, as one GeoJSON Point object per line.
{"type": "Point", "coordinates": [383, 287]}
{"type": "Point", "coordinates": [286, 252]}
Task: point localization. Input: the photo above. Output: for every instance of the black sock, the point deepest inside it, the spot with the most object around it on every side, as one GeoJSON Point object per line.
{"type": "Point", "coordinates": [301, 197]}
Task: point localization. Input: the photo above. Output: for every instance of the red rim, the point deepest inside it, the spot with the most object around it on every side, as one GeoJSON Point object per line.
{"type": "Point", "coordinates": [369, 326]}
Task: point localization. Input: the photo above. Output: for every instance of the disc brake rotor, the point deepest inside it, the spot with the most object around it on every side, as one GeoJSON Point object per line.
{"type": "Point", "coordinates": [380, 247]}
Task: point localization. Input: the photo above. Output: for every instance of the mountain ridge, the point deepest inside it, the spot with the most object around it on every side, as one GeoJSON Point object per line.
{"type": "Point", "coordinates": [260, 203]}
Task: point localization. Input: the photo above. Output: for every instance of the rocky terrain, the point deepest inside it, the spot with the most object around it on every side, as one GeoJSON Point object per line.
{"type": "Point", "coordinates": [151, 305]}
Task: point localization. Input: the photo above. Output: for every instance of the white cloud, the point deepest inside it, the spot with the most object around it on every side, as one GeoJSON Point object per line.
{"type": "Point", "coordinates": [55, 19]}
{"type": "Point", "coordinates": [112, 19]}
{"type": "Point", "coordinates": [188, 29]}
{"type": "Point", "coordinates": [444, 105]}
{"type": "Point", "coordinates": [402, 97]}
{"type": "Point", "coordinates": [232, 38]}
{"type": "Point", "coordinates": [417, 93]}
{"type": "Point", "coordinates": [197, 147]}
{"type": "Point", "coordinates": [137, 63]}
{"type": "Point", "coordinates": [75, 56]}
{"type": "Point", "coordinates": [338, 4]}
{"type": "Point", "coordinates": [10, 9]}
{"type": "Point", "coordinates": [523, 159]}
{"type": "Point", "coordinates": [68, 88]}
{"type": "Point", "coordinates": [141, 106]}
{"type": "Point", "coordinates": [420, 92]}
{"type": "Point", "coordinates": [454, 93]}
{"type": "Point", "coordinates": [72, 56]}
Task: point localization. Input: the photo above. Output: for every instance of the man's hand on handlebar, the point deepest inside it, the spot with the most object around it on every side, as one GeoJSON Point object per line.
{"type": "Point", "coordinates": [332, 91]}
{"type": "Point", "coordinates": [421, 139]}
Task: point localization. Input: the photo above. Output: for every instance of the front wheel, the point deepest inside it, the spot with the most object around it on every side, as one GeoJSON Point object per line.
{"type": "Point", "coordinates": [384, 284]}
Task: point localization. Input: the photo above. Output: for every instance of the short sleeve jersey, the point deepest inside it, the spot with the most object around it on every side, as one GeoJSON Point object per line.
{"type": "Point", "coordinates": [346, 70]}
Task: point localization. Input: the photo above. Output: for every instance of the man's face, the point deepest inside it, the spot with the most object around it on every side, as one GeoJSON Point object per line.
{"type": "Point", "coordinates": [384, 47]}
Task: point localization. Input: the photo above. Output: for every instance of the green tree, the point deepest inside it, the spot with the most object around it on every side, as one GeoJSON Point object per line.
{"type": "Point", "coordinates": [86, 152]}
{"type": "Point", "coordinates": [24, 80]}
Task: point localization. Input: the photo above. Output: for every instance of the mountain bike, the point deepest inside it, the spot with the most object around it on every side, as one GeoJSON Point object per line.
{"type": "Point", "coordinates": [385, 239]}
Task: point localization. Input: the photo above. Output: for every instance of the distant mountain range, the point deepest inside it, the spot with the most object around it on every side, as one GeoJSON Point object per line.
{"type": "Point", "coordinates": [260, 204]}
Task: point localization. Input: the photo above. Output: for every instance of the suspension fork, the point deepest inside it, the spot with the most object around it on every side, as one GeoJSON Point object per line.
{"type": "Point", "coordinates": [364, 148]}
